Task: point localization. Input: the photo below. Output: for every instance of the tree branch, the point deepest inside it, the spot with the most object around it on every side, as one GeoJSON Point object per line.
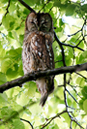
{"type": "Point", "coordinates": [26, 5]}
{"type": "Point", "coordinates": [35, 75]}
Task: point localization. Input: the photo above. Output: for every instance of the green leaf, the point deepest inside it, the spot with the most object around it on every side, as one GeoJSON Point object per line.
{"type": "Point", "coordinates": [8, 21]}
{"type": "Point", "coordinates": [7, 112]}
{"type": "Point", "coordinates": [81, 45]}
{"type": "Point", "coordinates": [66, 117]}
{"type": "Point", "coordinates": [17, 124]}
{"type": "Point", "coordinates": [80, 81]}
{"type": "Point", "coordinates": [82, 57]}
{"type": "Point", "coordinates": [12, 7]}
{"type": "Point", "coordinates": [10, 35]}
{"type": "Point", "coordinates": [70, 10]}
{"type": "Point", "coordinates": [21, 37]}
{"type": "Point", "coordinates": [31, 3]}
{"type": "Point", "coordinates": [2, 52]}
{"type": "Point", "coordinates": [61, 22]}
{"type": "Point", "coordinates": [84, 8]}
{"type": "Point", "coordinates": [85, 106]}
{"type": "Point", "coordinates": [15, 52]}
{"type": "Point", "coordinates": [62, 6]}
{"type": "Point", "coordinates": [25, 12]}
{"type": "Point", "coordinates": [81, 103]}
{"type": "Point", "coordinates": [22, 99]}
{"type": "Point", "coordinates": [9, 64]}
{"type": "Point", "coordinates": [2, 127]}
{"type": "Point", "coordinates": [57, 3]}
{"type": "Point", "coordinates": [6, 63]}
{"type": "Point", "coordinates": [12, 73]}
{"type": "Point", "coordinates": [68, 56]}
{"type": "Point", "coordinates": [84, 91]}
{"type": "Point", "coordinates": [2, 78]}
{"type": "Point", "coordinates": [31, 88]}
{"type": "Point", "coordinates": [4, 1]}
{"type": "Point", "coordinates": [3, 98]}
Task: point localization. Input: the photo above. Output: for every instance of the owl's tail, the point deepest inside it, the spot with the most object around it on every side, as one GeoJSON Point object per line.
{"type": "Point", "coordinates": [43, 99]}
{"type": "Point", "coordinates": [45, 87]}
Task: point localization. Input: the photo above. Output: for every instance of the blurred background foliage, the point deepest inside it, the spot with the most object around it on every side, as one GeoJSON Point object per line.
{"type": "Point", "coordinates": [70, 22]}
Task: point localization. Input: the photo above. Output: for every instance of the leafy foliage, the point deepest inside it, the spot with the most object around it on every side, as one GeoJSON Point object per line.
{"type": "Point", "coordinates": [69, 99]}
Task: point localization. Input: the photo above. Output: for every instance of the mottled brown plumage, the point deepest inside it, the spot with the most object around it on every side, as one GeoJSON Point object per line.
{"type": "Point", "coordinates": [37, 50]}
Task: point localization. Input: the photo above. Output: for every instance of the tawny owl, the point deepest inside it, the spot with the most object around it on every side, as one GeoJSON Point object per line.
{"type": "Point", "coordinates": [37, 50]}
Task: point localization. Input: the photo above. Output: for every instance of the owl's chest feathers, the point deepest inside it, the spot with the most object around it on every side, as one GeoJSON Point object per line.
{"type": "Point", "coordinates": [42, 44]}
{"type": "Point", "coordinates": [38, 40]}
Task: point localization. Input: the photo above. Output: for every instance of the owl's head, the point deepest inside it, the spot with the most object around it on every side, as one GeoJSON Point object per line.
{"type": "Point", "coordinates": [39, 22]}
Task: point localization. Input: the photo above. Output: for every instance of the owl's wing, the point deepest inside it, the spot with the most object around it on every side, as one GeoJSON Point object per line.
{"type": "Point", "coordinates": [28, 56]}
{"type": "Point", "coordinates": [41, 49]}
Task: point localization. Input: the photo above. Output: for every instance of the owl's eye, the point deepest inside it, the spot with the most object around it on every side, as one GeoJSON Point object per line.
{"type": "Point", "coordinates": [44, 26]}
{"type": "Point", "coordinates": [44, 23]}
{"type": "Point", "coordinates": [33, 24]}
{"type": "Point", "coordinates": [31, 21]}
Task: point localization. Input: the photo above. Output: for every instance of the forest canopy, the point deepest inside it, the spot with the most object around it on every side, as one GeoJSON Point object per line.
{"type": "Point", "coordinates": [66, 107]}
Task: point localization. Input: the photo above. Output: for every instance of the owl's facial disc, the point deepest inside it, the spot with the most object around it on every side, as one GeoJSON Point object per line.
{"type": "Point", "coordinates": [39, 22]}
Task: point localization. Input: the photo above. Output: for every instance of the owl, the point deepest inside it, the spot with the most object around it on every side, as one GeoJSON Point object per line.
{"type": "Point", "coordinates": [37, 54]}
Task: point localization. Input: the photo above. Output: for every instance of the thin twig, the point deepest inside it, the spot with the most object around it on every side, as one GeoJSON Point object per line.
{"type": "Point", "coordinates": [72, 96]}
{"type": "Point", "coordinates": [71, 124]}
{"type": "Point", "coordinates": [74, 90]}
{"type": "Point", "coordinates": [60, 43]}
{"type": "Point", "coordinates": [44, 5]}
{"type": "Point", "coordinates": [7, 8]}
{"type": "Point", "coordinates": [68, 45]}
{"type": "Point", "coordinates": [81, 75]}
{"type": "Point", "coordinates": [27, 122]}
{"type": "Point", "coordinates": [74, 33]}
{"type": "Point", "coordinates": [49, 120]}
